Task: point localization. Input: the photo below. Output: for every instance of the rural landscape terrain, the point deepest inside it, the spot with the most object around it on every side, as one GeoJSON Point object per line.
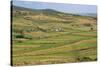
{"type": "Point", "coordinates": [47, 36]}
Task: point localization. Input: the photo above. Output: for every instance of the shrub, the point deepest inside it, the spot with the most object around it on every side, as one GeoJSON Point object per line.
{"type": "Point", "coordinates": [28, 36]}
{"type": "Point", "coordinates": [83, 59]}
{"type": "Point", "coordinates": [86, 59]}
{"type": "Point", "coordinates": [19, 36]}
{"type": "Point", "coordinates": [87, 24]}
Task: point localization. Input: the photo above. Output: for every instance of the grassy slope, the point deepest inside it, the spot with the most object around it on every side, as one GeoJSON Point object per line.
{"type": "Point", "coordinates": [42, 44]}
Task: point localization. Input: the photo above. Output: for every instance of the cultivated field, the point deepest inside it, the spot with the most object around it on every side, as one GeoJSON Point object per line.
{"type": "Point", "coordinates": [50, 37]}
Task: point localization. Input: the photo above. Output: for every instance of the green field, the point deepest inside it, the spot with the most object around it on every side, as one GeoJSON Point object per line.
{"type": "Point", "coordinates": [50, 37]}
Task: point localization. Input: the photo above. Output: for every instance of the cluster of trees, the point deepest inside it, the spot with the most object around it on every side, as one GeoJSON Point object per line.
{"type": "Point", "coordinates": [21, 34]}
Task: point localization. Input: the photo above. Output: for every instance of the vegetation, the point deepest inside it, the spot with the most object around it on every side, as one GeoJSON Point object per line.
{"type": "Point", "coordinates": [50, 37]}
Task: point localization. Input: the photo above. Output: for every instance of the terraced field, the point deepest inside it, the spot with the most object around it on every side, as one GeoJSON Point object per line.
{"type": "Point", "coordinates": [43, 41]}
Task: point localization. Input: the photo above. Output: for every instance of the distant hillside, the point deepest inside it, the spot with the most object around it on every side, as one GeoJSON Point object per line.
{"type": "Point", "coordinates": [19, 8]}
{"type": "Point", "coordinates": [89, 14]}
{"type": "Point", "coordinates": [44, 11]}
{"type": "Point", "coordinates": [41, 11]}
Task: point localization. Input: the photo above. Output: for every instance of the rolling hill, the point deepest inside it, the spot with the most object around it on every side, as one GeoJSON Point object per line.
{"type": "Point", "coordinates": [47, 36]}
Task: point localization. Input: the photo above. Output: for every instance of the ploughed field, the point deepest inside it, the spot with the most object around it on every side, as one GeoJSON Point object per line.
{"type": "Point", "coordinates": [50, 37]}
